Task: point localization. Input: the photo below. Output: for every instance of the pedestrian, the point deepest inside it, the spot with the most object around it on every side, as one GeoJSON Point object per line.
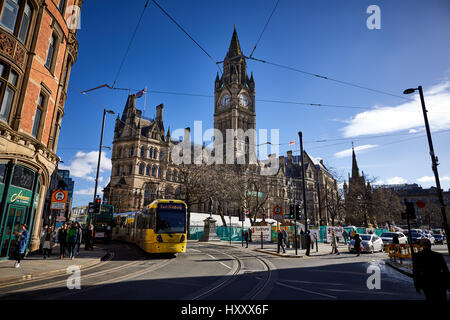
{"type": "Point", "coordinates": [79, 238]}
{"type": "Point", "coordinates": [345, 235]}
{"type": "Point", "coordinates": [62, 235]}
{"type": "Point", "coordinates": [47, 240]}
{"type": "Point", "coordinates": [249, 235]}
{"type": "Point", "coordinates": [72, 240]}
{"type": "Point", "coordinates": [21, 243]}
{"type": "Point", "coordinates": [431, 273]}
{"type": "Point", "coordinates": [317, 244]}
{"type": "Point", "coordinates": [89, 237]}
{"type": "Point", "coordinates": [357, 239]}
{"type": "Point", "coordinates": [312, 241]}
{"type": "Point", "coordinates": [334, 245]}
{"type": "Point", "coordinates": [280, 242]}
{"type": "Point", "coordinates": [285, 238]}
{"type": "Point", "coordinates": [396, 244]}
{"type": "Point", "coordinates": [246, 238]}
{"type": "Point", "coordinates": [307, 242]}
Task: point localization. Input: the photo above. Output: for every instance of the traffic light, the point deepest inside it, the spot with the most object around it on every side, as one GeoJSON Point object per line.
{"type": "Point", "coordinates": [297, 211]}
{"type": "Point", "coordinates": [241, 215]}
{"type": "Point", "coordinates": [97, 204]}
{"type": "Point", "coordinates": [291, 211]}
{"type": "Point", "coordinates": [410, 211]}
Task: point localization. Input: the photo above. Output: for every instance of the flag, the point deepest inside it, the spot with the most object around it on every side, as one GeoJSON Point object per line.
{"type": "Point", "coordinates": [141, 93]}
{"type": "Point", "coordinates": [291, 143]}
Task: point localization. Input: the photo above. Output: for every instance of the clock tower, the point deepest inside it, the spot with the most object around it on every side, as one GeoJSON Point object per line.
{"type": "Point", "coordinates": [234, 97]}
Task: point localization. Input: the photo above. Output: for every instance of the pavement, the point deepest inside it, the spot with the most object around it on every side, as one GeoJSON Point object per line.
{"type": "Point", "coordinates": [35, 266]}
{"type": "Point", "coordinates": [271, 248]}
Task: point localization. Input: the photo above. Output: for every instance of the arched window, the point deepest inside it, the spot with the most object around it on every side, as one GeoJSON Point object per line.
{"type": "Point", "coordinates": [151, 153]}
{"type": "Point", "coordinates": [130, 169]}
{"type": "Point", "coordinates": [173, 176]}
{"type": "Point", "coordinates": [155, 154]}
{"type": "Point", "coordinates": [141, 168]}
{"type": "Point", "coordinates": [147, 196]}
{"type": "Point", "coordinates": [153, 171]}
{"type": "Point", "coordinates": [131, 151]}
{"type": "Point", "coordinates": [159, 172]}
{"type": "Point", "coordinates": [120, 152]}
{"type": "Point", "coordinates": [142, 152]}
{"type": "Point", "coordinates": [118, 170]}
{"type": "Point", "coordinates": [147, 170]}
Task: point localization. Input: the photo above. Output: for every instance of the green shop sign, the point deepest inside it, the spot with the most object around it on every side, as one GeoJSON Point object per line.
{"type": "Point", "coordinates": [19, 196]}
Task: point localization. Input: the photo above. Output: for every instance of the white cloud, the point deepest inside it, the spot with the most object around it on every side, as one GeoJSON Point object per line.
{"type": "Point", "coordinates": [89, 191]}
{"type": "Point", "coordinates": [431, 179]}
{"type": "Point", "coordinates": [396, 180]}
{"type": "Point", "coordinates": [84, 165]}
{"type": "Point", "coordinates": [348, 152]}
{"type": "Point", "coordinates": [406, 116]}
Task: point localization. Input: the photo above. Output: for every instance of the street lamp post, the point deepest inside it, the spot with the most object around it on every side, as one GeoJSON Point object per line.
{"type": "Point", "coordinates": [434, 161]}
{"type": "Point", "coordinates": [300, 135]}
{"type": "Point", "coordinates": [99, 157]}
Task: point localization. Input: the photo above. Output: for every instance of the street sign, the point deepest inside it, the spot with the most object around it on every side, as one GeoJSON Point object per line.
{"type": "Point", "coordinates": [59, 199]}
{"type": "Point", "coordinates": [265, 230]}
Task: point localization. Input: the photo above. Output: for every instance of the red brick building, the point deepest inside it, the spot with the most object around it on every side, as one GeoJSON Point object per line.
{"type": "Point", "coordinates": [38, 47]}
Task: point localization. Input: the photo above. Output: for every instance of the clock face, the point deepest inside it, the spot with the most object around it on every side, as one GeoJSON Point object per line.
{"type": "Point", "coordinates": [225, 100]}
{"type": "Point", "coordinates": [243, 100]}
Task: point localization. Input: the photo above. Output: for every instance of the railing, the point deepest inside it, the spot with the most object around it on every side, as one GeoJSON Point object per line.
{"type": "Point", "coordinates": [401, 251]}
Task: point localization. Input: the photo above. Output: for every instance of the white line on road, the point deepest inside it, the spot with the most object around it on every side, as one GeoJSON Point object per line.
{"type": "Point", "coordinates": [304, 290]}
{"type": "Point", "coordinates": [218, 261]}
{"type": "Point", "coordinates": [312, 282]}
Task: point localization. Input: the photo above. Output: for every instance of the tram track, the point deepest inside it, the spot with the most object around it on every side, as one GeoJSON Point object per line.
{"type": "Point", "coordinates": [235, 273]}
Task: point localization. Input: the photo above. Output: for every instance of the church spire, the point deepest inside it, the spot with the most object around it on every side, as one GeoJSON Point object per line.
{"type": "Point", "coordinates": [235, 48]}
{"type": "Point", "coordinates": [355, 169]}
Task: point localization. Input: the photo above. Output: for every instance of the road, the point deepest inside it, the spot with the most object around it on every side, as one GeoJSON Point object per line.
{"type": "Point", "coordinates": [219, 272]}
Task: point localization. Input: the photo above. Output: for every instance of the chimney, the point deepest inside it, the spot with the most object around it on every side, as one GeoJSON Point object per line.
{"type": "Point", "coordinates": [159, 110]}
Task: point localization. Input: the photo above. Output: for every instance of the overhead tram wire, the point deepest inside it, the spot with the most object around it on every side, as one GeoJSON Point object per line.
{"type": "Point", "coordinates": [129, 44]}
{"type": "Point", "coordinates": [264, 29]}
{"type": "Point", "coordinates": [327, 78]}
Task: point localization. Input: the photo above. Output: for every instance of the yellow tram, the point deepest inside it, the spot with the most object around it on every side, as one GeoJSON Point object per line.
{"type": "Point", "coordinates": [158, 228]}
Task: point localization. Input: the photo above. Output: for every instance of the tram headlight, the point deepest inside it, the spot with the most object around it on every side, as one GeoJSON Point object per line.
{"type": "Point", "coordinates": [182, 238]}
{"type": "Point", "coordinates": [159, 238]}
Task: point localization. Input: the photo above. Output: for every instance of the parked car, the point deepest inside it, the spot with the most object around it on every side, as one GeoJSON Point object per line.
{"type": "Point", "coordinates": [429, 236]}
{"type": "Point", "coordinates": [416, 235]}
{"type": "Point", "coordinates": [439, 238]}
{"type": "Point", "coordinates": [370, 243]}
{"type": "Point", "coordinates": [388, 236]}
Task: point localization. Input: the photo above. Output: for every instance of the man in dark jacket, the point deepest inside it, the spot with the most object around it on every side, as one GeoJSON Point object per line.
{"type": "Point", "coordinates": [246, 238]}
{"type": "Point", "coordinates": [62, 239]}
{"type": "Point", "coordinates": [431, 273]}
{"type": "Point", "coordinates": [357, 239]}
{"type": "Point", "coordinates": [307, 242]}
{"type": "Point", "coordinates": [280, 242]}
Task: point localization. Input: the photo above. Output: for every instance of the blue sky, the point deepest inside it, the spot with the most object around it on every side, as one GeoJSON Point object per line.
{"type": "Point", "coordinates": [329, 38]}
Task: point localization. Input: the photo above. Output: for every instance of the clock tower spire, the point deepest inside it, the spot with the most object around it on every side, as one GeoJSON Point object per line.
{"type": "Point", "coordinates": [234, 92]}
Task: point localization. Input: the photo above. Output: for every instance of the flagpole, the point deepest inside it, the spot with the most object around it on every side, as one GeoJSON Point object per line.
{"type": "Point", "coordinates": [145, 99]}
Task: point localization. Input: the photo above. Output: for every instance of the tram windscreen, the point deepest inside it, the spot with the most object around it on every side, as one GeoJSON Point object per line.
{"type": "Point", "coordinates": [171, 218]}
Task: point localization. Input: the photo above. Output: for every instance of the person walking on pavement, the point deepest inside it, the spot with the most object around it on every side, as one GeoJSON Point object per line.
{"type": "Point", "coordinates": [72, 240]}
{"type": "Point", "coordinates": [431, 273]}
{"type": "Point", "coordinates": [285, 238]}
{"type": "Point", "coordinates": [280, 242]}
{"type": "Point", "coordinates": [21, 243]}
{"type": "Point", "coordinates": [345, 235]}
{"type": "Point", "coordinates": [357, 239]}
{"type": "Point", "coordinates": [334, 245]}
{"type": "Point", "coordinates": [62, 235]}
{"type": "Point", "coordinates": [307, 242]}
{"type": "Point", "coordinates": [89, 237]}
{"type": "Point", "coordinates": [79, 238]}
{"type": "Point", "coordinates": [47, 240]}
{"type": "Point", "coordinates": [317, 244]}
{"type": "Point", "coordinates": [246, 238]}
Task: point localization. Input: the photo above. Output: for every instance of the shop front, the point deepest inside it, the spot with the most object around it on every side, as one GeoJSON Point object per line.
{"type": "Point", "coordinates": [19, 192]}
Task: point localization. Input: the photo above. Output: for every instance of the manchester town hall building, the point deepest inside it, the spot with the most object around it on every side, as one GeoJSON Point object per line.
{"type": "Point", "coordinates": [143, 169]}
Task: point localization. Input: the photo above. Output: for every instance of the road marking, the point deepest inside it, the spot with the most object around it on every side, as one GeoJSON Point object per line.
{"type": "Point", "coordinates": [212, 257]}
{"type": "Point", "coordinates": [312, 282]}
{"type": "Point", "coordinates": [304, 290]}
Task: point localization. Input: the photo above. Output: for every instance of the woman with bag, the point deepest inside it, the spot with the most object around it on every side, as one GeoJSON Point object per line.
{"type": "Point", "coordinates": [47, 239]}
